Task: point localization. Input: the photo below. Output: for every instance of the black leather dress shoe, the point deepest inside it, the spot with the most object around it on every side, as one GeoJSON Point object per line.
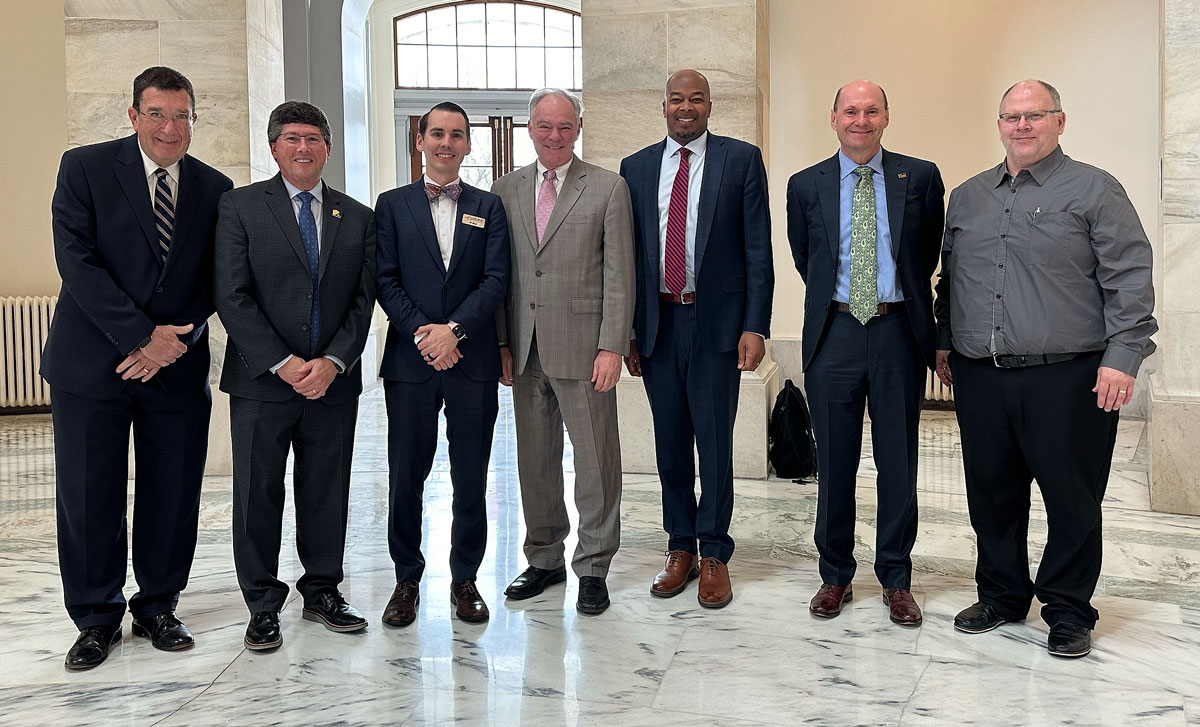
{"type": "Point", "coordinates": [1069, 640]}
{"type": "Point", "coordinates": [978, 618]}
{"type": "Point", "coordinates": [92, 646]}
{"type": "Point", "coordinates": [165, 631]}
{"type": "Point", "coordinates": [262, 633]}
{"type": "Point", "coordinates": [331, 609]}
{"type": "Point", "coordinates": [533, 581]}
{"type": "Point", "coordinates": [593, 595]}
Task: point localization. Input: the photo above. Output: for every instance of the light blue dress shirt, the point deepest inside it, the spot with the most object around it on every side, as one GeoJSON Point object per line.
{"type": "Point", "coordinates": [887, 286]}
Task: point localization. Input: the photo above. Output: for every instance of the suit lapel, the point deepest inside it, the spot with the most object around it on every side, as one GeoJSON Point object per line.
{"type": "Point", "coordinates": [650, 172]}
{"type": "Point", "coordinates": [280, 205]}
{"type": "Point", "coordinates": [132, 176]}
{"type": "Point", "coordinates": [829, 193]}
{"type": "Point", "coordinates": [418, 207]}
{"type": "Point", "coordinates": [468, 204]}
{"type": "Point", "coordinates": [710, 187]}
{"type": "Point", "coordinates": [895, 185]}
{"type": "Point", "coordinates": [186, 201]}
{"type": "Point", "coordinates": [526, 203]}
{"type": "Point", "coordinates": [331, 212]}
{"type": "Point", "coordinates": [572, 189]}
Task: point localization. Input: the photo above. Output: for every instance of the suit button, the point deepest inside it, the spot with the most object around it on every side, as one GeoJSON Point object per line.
{"type": "Point", "coordinates": [532, 306]}
{"type": "Point", "coordinates": [304, 327]}
{"type": "Point", "coordinates": [308, 295]}
{"type": "Point", "coordinates": [158, 289]}
{"type": "Point", "coordinates": [538, 273]}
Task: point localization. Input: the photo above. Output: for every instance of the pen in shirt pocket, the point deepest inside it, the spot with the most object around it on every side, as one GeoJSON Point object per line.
{"type": "Point", "coordinates": [1036, 212]}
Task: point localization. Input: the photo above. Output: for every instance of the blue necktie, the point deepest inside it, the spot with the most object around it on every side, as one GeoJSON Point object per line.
{"type": "Point", "coordinates": [308, 231]}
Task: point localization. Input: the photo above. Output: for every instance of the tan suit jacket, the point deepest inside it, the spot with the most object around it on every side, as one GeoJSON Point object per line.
{"type": "Point", "coordinates": [577, 287]}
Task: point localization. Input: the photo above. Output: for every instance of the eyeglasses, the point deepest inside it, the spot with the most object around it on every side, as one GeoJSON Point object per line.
{"type": "Point", "coordinates": [1031, 116]}
{"type": "Point", "coordinates": [158, 118]}
{"type": "Point", "coordinates": [311, 140]}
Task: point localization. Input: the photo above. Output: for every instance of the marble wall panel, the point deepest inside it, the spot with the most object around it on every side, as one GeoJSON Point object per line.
{"type": "Point", "coordinates": [104, 56]}
{"type": "Point", "coordinates": [266, 17]}
{"type": "Point", "coordinates": [239, 174]}
{"type": "Point", "coordinates": [265, 69]}
{"type": "Point", "coordinates": [727, 55]}
{"type": "Point", "coordinates": [1181, 22]}
{"type": "Point", "coordinates": [1180, 251]}
{"type": "Point", "coordinates": [1181, 178]}
{"type": "Point", "coordinates": [1181, 89]}
{"type": "Point", "coordinates": [260, 149]}
{"type": "Point", "coordinates": [736, 115]}
{"type": "Point", "coordinates": [1178, 352]}
{"type": "Point", "coordinates": [618, 123]}
{"type": "Point", "coordinates": [220, 137]}
{"type": "Point", "coordinates": [157, 9]}
{"type": "Point", "coordinates": [633, 55]}
{"type": "Point", "coordinates": [93, 117]}
{"type": "Point", "coordinates": [1174, 457]}
{"type": "Point", "coordinates": [212, 54]}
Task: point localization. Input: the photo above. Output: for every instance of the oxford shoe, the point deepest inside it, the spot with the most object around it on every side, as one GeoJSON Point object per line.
{"type": "Point", "coordinates": [262, 633]}
{"type": "Point", "coordinates": [593, 596]}
{"type": "Point", "coordinates": [92, 647]}
{"type": "Point", "coordinates": [468, 604]}
{"type": "Point", "coordinates": [401, 609]}
{"type": "Point", "coordinates": [829, 600]}
{"type": "Point", "coordinates": [680, 569]}
{"type": "Point", "coordinates": [533, 581]}
{"type": "Point", "coordinates": [902, 607]}
{"type": "Point", "coordinates": [330, 608]}
{"type": "Point", "coordinates": [979, 618]}
{"type": "Point", "coordinates": [165, 631]}
{"type": "Point", "coordinates": [715, 590]}
{"type": "Point", "coordinates": [1069, 640]}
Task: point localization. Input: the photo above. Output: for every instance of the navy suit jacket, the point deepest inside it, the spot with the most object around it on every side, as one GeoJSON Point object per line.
{"type": "Point", "coordinates": [735, 279]}
{"type": "Point", "coordinates": [416, 288]}
{"type": "Point", "coordinates": [264, 288]}
{"type": "Point", "coordinates": [916, 215]}
{"type": "Point", "coordinates": [114, 289]}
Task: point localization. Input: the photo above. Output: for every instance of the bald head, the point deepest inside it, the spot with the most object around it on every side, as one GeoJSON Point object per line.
{"type": "Point", "coordinates": [686, 105]}
{"type": "Point", "coordinates": [861, 85]}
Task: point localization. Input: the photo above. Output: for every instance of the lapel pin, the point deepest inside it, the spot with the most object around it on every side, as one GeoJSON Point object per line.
{"type": "Point", "coordinates": [901, 175]}
{"type": "Point", "coordinates": [336, 212]}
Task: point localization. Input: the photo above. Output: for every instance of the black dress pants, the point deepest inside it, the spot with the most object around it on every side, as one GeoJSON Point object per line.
{"type": "Point", "coordinates": [1041, 423]}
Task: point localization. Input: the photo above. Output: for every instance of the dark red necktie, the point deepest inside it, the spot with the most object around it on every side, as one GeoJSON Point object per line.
{"type": "Point", "coordinates": [675, 255]}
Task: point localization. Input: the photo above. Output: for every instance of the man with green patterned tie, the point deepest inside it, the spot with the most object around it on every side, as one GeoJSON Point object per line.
{"type": "Point", "coordinates": [865, 228]}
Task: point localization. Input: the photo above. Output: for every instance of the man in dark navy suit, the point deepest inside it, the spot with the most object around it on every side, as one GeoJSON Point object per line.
{"type": "Point", "coordinates": [442, 271]}
{"type": "Point", "coordinates": [128, 347]}
{"type": "Point", "coordinates": [865, 228]}
{"type": "Point", "coordinates": [703, 313]}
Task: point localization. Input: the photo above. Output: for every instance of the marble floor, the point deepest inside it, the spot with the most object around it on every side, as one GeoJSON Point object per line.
{"type": "Point", "coordinates": [761, 661]}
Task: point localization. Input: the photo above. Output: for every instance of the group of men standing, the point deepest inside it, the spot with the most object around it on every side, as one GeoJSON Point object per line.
{"type": "Point", "coordinates": [546, 284]}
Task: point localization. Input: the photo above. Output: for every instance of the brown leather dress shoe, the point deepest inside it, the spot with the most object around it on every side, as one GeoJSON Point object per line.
{"type": "Point", "coordinates": [715, 590]}
{"type": "Point", "coordinates": [679, 569]}
{"type": "Point", "coordinates": [829, 599]}
{"type": "Point", "coordinates": [902, 606]}
{"type": "Point", "coordinates": [402, 606]}
{"type": "Point", "coordinates": [468, 604]}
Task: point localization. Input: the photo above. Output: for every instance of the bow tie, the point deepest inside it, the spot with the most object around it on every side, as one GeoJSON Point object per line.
{"type": "Point", "coordinates": [432, 191]}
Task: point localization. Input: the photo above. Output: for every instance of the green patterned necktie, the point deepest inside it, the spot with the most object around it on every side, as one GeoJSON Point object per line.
{"type": "Point", "coordinates": [864, 296]}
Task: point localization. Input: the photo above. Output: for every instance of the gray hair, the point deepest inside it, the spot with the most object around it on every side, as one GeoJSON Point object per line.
{"type": "Point", "coordinates": [542, 93]}
{"type": "Point", "coordinates": [1049, 89]}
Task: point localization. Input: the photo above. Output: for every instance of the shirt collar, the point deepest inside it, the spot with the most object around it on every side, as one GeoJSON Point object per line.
{"type": "Point", "coordinates": [293, 190]}
{"type": "Point", "coordinates": [697, 146]}
{"type": "Point", "coordinates": [1040, 171]}
{"type": "Point", "coordinates": [152, 166]}
{"type": "Point", "coordinates": [560, 173]}
{"type": "Point", "coordinates": [426, 180]}
{"type": "Point", "coordinates": [848, 165]}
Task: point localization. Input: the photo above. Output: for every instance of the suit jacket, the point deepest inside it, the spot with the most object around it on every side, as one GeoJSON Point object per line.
{"type": "Point", "coordinates": [416, 287]}
{"type": "Point", "coordinates": [576, 288]}
{"type": "Point", "coordinates": [264, 289]}
{"type": "Point", "coordinates": [735, 278]}
{"type": "Point", "coordinates": [916, 215]}
{"type": "Point", "coordinates": [114, 289]}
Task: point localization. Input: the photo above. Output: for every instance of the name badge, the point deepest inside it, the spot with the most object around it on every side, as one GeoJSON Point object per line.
{"type": "Point", "coordinates": [473, 221]}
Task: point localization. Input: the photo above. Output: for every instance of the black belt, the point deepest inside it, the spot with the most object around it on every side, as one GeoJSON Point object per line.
{"type": "Point", "coordinates": [882, 309]}
{"type": "Point", "coordinates": [1020, 361]}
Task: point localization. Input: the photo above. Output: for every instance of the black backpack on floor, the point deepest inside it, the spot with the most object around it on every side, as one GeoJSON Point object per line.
{"type": "Point", "coordinates": [791, 448]}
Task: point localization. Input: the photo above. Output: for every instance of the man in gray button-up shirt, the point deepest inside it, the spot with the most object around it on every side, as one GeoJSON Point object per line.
{"type": "Point", "coordinates": [1044, 310]}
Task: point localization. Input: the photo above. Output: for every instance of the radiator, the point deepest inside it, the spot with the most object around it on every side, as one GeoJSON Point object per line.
{"type": "Point", "coordinates": [935, 391]}
{"type": "Point", "coordinates": [24, 323]}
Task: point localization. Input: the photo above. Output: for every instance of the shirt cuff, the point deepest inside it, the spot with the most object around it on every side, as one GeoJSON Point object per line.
{"type": "Point", "coordinates": [276, 367]}
{"type": "Point", "coordinates": [757, 334]}
{"type": "Point", "coordinates": [341, 367]}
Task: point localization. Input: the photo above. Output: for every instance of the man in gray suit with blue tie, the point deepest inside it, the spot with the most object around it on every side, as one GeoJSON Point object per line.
{"type": "Point", "coordinates": [295, 288]}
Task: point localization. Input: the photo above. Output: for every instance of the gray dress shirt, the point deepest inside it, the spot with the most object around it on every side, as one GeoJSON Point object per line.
{"type": "Point", "coordinates": [1052, 261]}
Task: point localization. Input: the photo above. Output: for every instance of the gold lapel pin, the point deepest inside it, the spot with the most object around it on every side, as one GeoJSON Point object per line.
{"type": "Point", "coordinates": [336, 212]}
{"type": "Point", "coordinates": [901, 175]}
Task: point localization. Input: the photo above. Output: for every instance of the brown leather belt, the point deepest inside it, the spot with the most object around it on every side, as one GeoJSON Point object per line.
{"type": "Point", "coordinates": [881, 310]}
{"type": "Point", "coordinates": [684, 298]}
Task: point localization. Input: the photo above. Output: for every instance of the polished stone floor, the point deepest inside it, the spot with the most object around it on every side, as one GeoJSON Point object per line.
{"type": "Point", "coordinates": [761, 661]}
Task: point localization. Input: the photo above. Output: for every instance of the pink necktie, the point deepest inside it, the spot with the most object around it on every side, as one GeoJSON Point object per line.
{"type": "Point", "coordinates": [675, 255]}
{"type": "Point", "coordinates": [547, 196]}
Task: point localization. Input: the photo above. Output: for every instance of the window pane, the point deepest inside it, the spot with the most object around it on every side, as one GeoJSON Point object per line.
{"type": "Point", "coordinates": [559, 71]}
{"type": "Point", "coordinates": [502, 68]}
{"type": "Point", "coordinates": [558, 28]}
{"type": "Point", "coordinates": [500, 24]}
{"type": "Point", "coordinates": [480, 177]}
{"type": "Point", "coordinates": [578, 68]}
{"type": "Point", "coordinates": [443, 66]}
{"type": "Point", "coordinates": [578, 31]}
{"type": "Point", "coordinates": [441, 26]}
{"type": "Point", "coordinates": [411, 67]}
{"type": "Point", "coordinates": [472, 67]}
{"type": "Point", "coordinates": [531, 68]}
{"type": "Point", "coordinates": [530, 28]}
{"type": "Point", "coordinates": [523, 153]}
{"type": "Point", "coordinates": [411, 29]}
{"type": "Point", "coordinates": [470, 25]}
{"type": "Point", "coordinates": [481, 147]}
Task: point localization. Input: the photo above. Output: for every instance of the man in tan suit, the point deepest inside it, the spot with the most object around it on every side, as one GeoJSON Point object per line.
{"type": "Point", "coordinates": [565, 326]}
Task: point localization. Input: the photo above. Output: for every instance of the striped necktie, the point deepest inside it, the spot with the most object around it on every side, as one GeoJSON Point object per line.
{"type": "Point", "coordinates": [164, 213]}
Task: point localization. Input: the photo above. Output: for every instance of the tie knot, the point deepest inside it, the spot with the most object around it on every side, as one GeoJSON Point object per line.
{"type": "Point", "coordinates": [863, 171]}
{"type": "Point", "coordinates": [550, 175]}
{"type": "Point", "coordinates": [684, 153]}
{"type": "Point", "coordinates": [305, 198]}
{"type": "Point", "coordinates": [160, 173]}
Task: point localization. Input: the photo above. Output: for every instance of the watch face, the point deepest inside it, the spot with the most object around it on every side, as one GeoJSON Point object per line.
{"type": "Point", "coordinates": [459, 332]}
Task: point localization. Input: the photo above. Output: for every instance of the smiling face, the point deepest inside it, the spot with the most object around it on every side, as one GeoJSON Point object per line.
{"type": "Point", "coordinates": [445, 143]}
{"type": "Point", "coordinates": [859, 118]}
{"type": "Point", "coordinates": [686, 106]}
{"type": "Point", "coordinates": [301, 152]}
{"type": "Point", "coordinates": [165, 141]}
{"type": "Point", "coordinates": [1027, 142]}
{"type": "Point", "coordinates": [554, 127]}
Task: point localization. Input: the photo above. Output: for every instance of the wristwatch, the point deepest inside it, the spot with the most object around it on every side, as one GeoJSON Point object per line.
{"type": "Point", "coordinates": [459, 332]}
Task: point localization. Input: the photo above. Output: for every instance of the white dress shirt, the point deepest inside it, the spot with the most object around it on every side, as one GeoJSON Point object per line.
{"type": "Point", "coordinates": [444, 211]}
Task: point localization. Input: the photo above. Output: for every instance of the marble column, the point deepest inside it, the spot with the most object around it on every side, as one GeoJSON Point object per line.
{"type": "Point", "coordinates": [231, 50]}
{"type": "Point", "coordinates": [629, 50]}
{"type": "Point", "coordinates": [1175, 386]}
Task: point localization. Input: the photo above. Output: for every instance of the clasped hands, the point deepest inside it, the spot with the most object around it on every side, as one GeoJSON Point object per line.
{"type": "Point", "coordinates": [163, 350]}
{"type": "Point", "coordinates": [438, 345]}
{"type": "Point", "coordinates": [311, 379]}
